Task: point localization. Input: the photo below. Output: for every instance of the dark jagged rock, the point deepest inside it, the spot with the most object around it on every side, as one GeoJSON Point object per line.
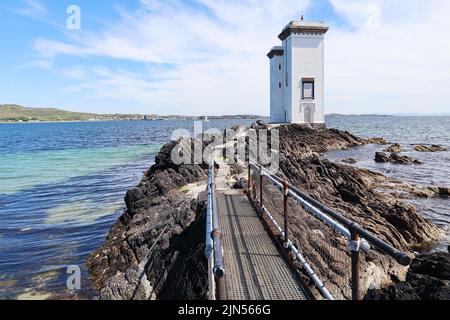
{"type": "Point", "coordinates": [259, 125]}
{"type": "Point", "coordinates": [380, 141]}
{"type": "Point", "coordinates": [445, 192]}
{"type": "Point", "coordinates": [435, 265]}
{"type": "Point", "coordinates": [155, 249]}
{"type": "Point", "coordinates": [427, 279]}
{"type": "Point", "coordinates": [349, 161]}
{"type": "Point", "coordinates": [395, 148]}
{"type": "Point", "coordinates": [156, 245]}
{"type": "Point", "coordinates": [381, 157]}
{"type": "Point", "coordinates": [433, 148]}
{"type": "Point", "coordinates": [395, 158]}
{"type": "Point", "coordinates": [351, 192]}
{"type": "Point", "coordinates": [307, 142]}
{"type": "Point", "coordinates": [407, 190]}
{"type": "Point", "coordinates": [240, 184]}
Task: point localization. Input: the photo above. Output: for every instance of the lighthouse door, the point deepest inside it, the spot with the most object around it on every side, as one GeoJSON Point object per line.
{"type": "Point", "coordinates": [308, 113]}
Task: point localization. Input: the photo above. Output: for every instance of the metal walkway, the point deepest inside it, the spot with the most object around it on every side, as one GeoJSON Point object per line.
{"type": "Point", "coordinates": [244, 262]}
{"type": "Point", "coordinates": [255, 268]}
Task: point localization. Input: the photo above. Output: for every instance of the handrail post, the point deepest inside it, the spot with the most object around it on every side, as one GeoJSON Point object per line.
{"type": "Point", "coordinates": [285, 200]}
{"type": "Point", "coordinates": [249, 181]}
{"type": "Point", "coordinates": [359, 238]}
{"type": "Point", "coordinates": [218, 271]}
{"type": "Point", "coordinates": [261, 185]}
{"type": "Point", "coordinates": [220, 288]}
{"type": "Point", "coordinates": [354, 248]}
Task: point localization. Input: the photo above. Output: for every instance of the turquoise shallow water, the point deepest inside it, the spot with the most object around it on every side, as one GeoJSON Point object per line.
{"type": "Point", "coordinates": [22, 171]}
{"type": "Point", "coordinates": [62, 187]}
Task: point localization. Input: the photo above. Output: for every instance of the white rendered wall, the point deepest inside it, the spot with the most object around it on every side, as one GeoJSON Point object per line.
{"type": "Point", "coordinates": [276, 93]}
{"type": "Point", "coordinates": [287, 77]}
{"type": "Point", "coordinates": [305, 59]}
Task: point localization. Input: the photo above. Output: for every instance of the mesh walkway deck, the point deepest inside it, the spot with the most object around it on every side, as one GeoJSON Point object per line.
{"type": "Point", "coordinates": [255, 270]}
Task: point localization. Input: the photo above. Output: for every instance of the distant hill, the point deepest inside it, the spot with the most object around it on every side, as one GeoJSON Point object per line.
{"type": "Point", "coordinates": [16, 113]}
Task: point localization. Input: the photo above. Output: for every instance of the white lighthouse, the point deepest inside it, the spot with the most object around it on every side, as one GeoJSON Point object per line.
{"type": "Point", "coordinates": [297, 74]}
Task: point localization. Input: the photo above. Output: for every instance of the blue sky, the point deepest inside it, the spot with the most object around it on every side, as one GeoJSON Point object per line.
{"type": "Point", "coordinates": [208, 56]}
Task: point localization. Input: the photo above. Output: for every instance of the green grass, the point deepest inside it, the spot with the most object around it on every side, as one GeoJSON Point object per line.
{"type": "Point", "coordinates": [18, 113]}
{"type": "Point", "coordinates": [15, 113]}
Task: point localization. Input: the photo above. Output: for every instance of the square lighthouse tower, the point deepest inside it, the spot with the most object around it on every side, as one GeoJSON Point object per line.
{"type": "Point", "coordinates": [297, 74]}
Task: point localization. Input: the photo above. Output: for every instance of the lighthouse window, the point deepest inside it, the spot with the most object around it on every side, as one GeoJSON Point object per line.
{"type": "Point", "coordinates": [279, 67]}
{"type": "Point", "coordinates": [308, 90]}
{"type": "Point", "coordinates": [279, 85]}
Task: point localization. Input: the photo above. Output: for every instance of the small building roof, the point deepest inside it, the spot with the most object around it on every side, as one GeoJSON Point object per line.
{"type": "Point", "coordinates": [275, 51]}
{"type": "Point", "coordinates": [303, 27]}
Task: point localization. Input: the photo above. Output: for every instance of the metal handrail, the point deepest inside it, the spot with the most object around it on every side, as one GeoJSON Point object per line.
{"type": "Point", "coordinates": [213, 243]}
{"type": "Point", "coordinates": [216, 234]}
{"type": "Point", "coordinates": [312, 210]}
{"type": "Point", "coordinates": [320, 285]}
{"type": "Point", "coordinates": [209, 244]}
{"type": "Point", "coordinates": [350, 225]}
{"type": "Point", "coordinates": [337, 221]}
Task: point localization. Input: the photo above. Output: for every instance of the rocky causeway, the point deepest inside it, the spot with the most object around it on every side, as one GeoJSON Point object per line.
{"type": "Point", "coordinates": [155, 249]}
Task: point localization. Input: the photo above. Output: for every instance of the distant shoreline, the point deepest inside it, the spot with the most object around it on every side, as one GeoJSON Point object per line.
{"type": "Point", "coordinates": [390, 115]}
{"type": "Point", "coordinates": [196, 118]}
{"type": "Point", "coordinates": [11, 113]}
{"type": "Point", "coordinates": [133, 120]}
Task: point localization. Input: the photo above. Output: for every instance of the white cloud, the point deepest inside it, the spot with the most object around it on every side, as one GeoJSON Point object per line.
{"type": "Point", "coordinates": [36, 10]}
{"type": "Point", "coordinates": [38, 63]}
{"type": "Point", "coordinates": [401, 67]}
{"type": "Point", "coordinates": [32, 9]}
{"type": "Point", "coordinates": [217, 52]}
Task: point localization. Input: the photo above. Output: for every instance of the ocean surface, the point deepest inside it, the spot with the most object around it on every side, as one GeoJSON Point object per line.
{"type": "Point", "coordinates": [408, 132]}
{"type": "Point", "coordinates": [62, 187]}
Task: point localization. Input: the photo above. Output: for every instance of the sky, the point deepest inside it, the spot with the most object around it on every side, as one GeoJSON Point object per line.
{"type": "Point", "coordinates": [208, 57]}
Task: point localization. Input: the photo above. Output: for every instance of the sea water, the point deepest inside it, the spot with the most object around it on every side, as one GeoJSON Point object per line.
{"type": "Point", "coordinates": [62, 186]}
{"type": "Point", "coordinates": [408, 132]}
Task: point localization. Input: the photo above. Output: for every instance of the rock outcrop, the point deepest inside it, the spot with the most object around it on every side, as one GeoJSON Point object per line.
{"type": "Point", "coordinates": [398, 159]}
{"type": "Point", "coordinates": [394, 158]}
{"type": "Point", "coordinates": [259, 125]}
{"type": "Point", "coordinates": [348, 189]}
{"type": "Point", "coordinates": [349, 161]}
{"type": "Point", "coordinates": [433, 148]}
{"type": "Point", "coordinates": [427, 279]}
{"type": "Point", "coordinates": [381, 157]}
{"type": "Point", "coordinates": [380, 141]}
{"type": "Point", "coordinates": [353, 192]}
{"type": "Point", "coordinates": [305, 142]}
{"type": "Point", "coordinates": [444, 192]}
{"type": "Point", "coordinates": [395, 148]}
{"type": "Point", "coordinates": [155, 249]}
